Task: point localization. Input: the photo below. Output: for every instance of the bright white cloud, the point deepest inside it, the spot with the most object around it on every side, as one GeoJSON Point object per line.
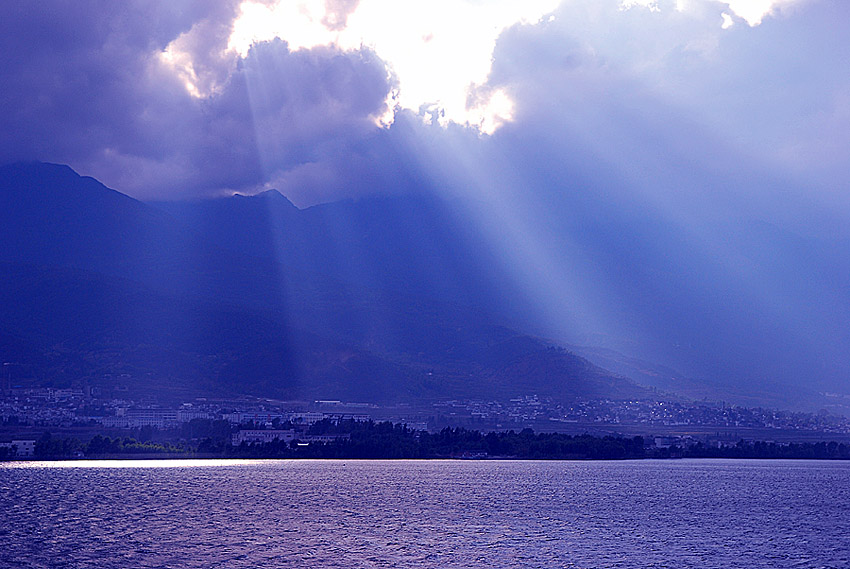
{"type": "Point", "coordinates": [754, 11]}
{"type": "Point", "coordinates": [439, 51]}
{"type": "Point", "coordinates": [180, 62]}
{"type": "Point", "coordinates": [652, 5]}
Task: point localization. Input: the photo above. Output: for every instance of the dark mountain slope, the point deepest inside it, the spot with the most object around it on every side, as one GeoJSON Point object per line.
{"type": "Point", "coordinates": [49, 215]}
{"type": "Point", "coordinates": [746, 310]}
{"type": "Point", "coordinates": [87, 326]}
{"type": "Point", "coordinates": [120, 287]}
{"type": "Point", "coordinates": [411, 245]}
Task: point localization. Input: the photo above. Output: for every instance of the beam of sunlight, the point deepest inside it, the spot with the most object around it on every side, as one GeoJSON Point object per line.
{"type": "Point", "coordinates": [567, 299]}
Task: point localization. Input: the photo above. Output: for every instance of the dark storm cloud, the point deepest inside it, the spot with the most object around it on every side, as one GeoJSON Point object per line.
{"type": "Point", "coordinates": [278, 110]}
{"type": "Point", "coordinates": [80, 84]}
{"type": "Point", "coordinates": [648, 95]}
{"type": "Point", "coordinates": [311, 103]}
{"type": "Point", "coordinates": [85, 84]}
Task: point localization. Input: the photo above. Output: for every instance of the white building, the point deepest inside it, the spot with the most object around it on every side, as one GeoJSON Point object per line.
{"type": "Point", "coordinates": [252, 436]}
{"type": "Point", "coordinates": [159, 418]}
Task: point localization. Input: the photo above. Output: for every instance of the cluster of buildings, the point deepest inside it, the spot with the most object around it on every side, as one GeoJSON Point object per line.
{"type": "Point", "coordinates": [54, 406]}
{"type": "Point", "coordinates": [51, 407]}
{"type": "Point", "coordinates": [166, 418]}
{"type": "Point", "coordinates": [533, 409]}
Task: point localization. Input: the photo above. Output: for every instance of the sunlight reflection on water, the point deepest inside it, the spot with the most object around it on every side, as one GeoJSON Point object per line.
{"type": "Point", "coordinates": [130, 463]}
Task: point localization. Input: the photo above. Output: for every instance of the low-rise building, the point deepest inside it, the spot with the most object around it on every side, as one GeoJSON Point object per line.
{"type": "Point", "coordinates": [262, 436]}
{"type": "Point", "coordinates": [24, 448]}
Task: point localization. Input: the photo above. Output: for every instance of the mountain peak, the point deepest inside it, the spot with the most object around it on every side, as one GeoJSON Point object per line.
{"type": "Point", "coordinates": [272, 196]}
{"type": "Point", "coordinates": [273, 193]}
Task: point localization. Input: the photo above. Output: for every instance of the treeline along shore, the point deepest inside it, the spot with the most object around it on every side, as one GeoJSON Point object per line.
{"type": "Point", "coordinates": [385, 440]}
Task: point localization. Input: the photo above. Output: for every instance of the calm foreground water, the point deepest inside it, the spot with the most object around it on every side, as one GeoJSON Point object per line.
{"type": "Point", "coordinates": [677, 514]}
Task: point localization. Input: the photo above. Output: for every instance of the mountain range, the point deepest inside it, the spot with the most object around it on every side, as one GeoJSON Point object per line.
{"type": "Point", "coordinates": [252, 295]}
{"type": "Point", "coordinates": [405, 298]}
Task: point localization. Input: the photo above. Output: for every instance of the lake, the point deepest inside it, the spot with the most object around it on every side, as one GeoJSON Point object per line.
{"type": "Point", "coordinates": [630, 514]}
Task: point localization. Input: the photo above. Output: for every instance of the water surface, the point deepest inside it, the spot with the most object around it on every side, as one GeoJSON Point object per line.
{"type": "Point", "coordinates": [637, 514]}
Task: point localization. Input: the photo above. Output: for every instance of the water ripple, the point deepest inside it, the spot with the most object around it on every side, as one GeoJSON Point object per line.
{"type": "Point", "coordinates": [581, 515]}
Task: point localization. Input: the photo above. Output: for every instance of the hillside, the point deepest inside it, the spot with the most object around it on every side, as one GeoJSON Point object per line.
{"type": "Point", "coordinates": [98, 286]}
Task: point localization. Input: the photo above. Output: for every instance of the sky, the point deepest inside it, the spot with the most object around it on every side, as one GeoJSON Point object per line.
{"type": "Point", "coordinates": [703, 134]}
{"type": "Point", "coordinates": [191, 98]}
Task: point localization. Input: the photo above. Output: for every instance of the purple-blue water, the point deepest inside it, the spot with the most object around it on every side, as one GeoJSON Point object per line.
{"type": "Point", "coordinates": [676, 514]}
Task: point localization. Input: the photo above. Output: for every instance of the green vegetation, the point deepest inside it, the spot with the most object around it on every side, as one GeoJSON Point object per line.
{"type": "Point", "coordinates": [389, 441]}
{"type": "Point", "coordinates": [385, 440]}
{"type": "Point", "coordinates": [52, 447]}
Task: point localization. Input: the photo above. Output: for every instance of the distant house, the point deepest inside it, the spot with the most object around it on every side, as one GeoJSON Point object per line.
{"type": "Point", "coordinates": [24, 448]}
{"type": "Point", "coordinates": [261, 436]}
{"type": "Point", "coordinates": [665, 442]}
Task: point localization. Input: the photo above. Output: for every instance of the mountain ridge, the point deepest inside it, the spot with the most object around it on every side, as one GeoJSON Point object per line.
{"type": "Point", "coordinates": [246, 325]}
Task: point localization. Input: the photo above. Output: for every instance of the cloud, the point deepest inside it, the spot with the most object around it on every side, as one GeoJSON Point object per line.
{"type": "Point", "coordinates": [148, 98]}
{"type": "Point", "coordinates": [337, 12]}
{"type": "Point", "coordinates": [166, 99]}
{"type": "Point", "coordinates": [437, 50]}
{"type": "Point", "coordinates": [311, 103]}
{"type": "Point", "coordinates": [754, 11]}
{"type": "Point", "coordinates": [751, 11]}
{"type": "Point", "coordinates": [81, 86]}
{"type": "Point", "coordinates": [773, 96]}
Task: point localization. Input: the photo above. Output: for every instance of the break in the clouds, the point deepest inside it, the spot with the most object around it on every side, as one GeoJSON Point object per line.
{"type": "Point", "coordinates": [189, 97]}
{"type": "Point", "coordinates": [437, 51]}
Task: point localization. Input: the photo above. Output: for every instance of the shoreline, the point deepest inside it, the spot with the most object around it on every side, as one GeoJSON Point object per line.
{"type": "Point", "coordinates": [350, 440]}
{"type": "Point", "coordinates": [146, 458]}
